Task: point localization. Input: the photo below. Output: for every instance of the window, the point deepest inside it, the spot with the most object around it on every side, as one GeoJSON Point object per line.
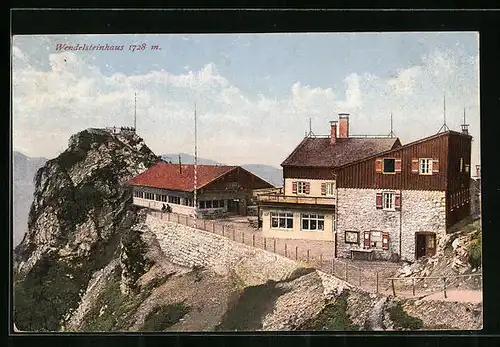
{"type": "Point", "coordinates": [376, 240]}
{"type": "Point", "coordinates": [467, 168]}
{"type": "Point", "coordinates": [157, 197]}
{"type": "Point", "coordinates": [139, 194]}
{"type": "Point", "coordinates": [301, 187]}
{"type": "Point", "coordinates": [202, 204]}
{"type": "Point", "coordinates": [313, 222]}
{"type": "Point", "coordinates": [389, 165]}
{"type": "Point", "coordinates": [425, 166]}
{"type": "Point", "coordinates": [281, 220]}
{"type": "Point", "coordinates": [149, 196]}
{"type": "Point", "coordinates": [208, 204]}
{"type": "Point", "coordinates": [388, 200]}
{"type": "Point", "coordinates": [215, 204]}
{"type": "Point", "coordinates": [164, 198]}
{"type": "Point", "coordinates": [174, 200]}
{"type": "Point", "coordinates": [330, 188]}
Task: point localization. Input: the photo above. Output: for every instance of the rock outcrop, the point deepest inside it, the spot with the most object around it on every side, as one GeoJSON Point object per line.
{"type": "Point", "coordinates": [81, 210]}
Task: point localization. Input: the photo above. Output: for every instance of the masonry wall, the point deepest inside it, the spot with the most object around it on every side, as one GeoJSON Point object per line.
{"type": "Point", "coordinates": [187, 246]}
{"type": "Point", "coordinates": [297, 232]}
{"type": "Point", "coordinates": [420, 211]}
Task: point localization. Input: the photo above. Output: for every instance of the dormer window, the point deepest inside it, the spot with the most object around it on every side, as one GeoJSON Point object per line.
{"type": "Point", "coordinates": [389, 165]}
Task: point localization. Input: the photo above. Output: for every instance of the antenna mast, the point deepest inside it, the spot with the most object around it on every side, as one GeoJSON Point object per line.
{"type": "Point", "coordinates": [195, 166]}
{"type": "Point", "coordinates": [310, 133]}
{"type": "Point", "coordinates": [444, 127]}
{"type": "Point", "coordinates": [465, 126]}
{"type": "Point", "coordinates": [391, 134]}
{"type": "Point", "coordinates": [135, 111]}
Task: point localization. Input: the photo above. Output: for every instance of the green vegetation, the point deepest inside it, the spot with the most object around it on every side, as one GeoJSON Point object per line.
{"type": "Point", "coordinates": [475, 251]}
{"type": "Point", "coordinates": [133, 255]}
{"type": "Point", "coordinates": [247, 308]}
{"type": "Point", "coordinates": [333, 317]}
{"type": "Point", "coordinates": [117, 309]}
{"type": "Point", "coordinates": [402, 320]}
{"type": "Point", "coordinates": [164, 316]}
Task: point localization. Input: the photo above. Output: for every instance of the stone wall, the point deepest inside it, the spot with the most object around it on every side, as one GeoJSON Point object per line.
{"type": "Point", "coordinates": [187, 246]}
{"type": "Point", "coordinates": [420, 211]}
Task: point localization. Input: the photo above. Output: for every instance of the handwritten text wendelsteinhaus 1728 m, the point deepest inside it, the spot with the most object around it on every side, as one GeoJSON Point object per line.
{"type": "Point", "coordinates": [106, 47]}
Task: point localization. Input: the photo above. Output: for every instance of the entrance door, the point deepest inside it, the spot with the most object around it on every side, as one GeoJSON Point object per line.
{"type": "Point", "coordinates": [425, 245]}
{"type": "Point", "coordinates": [232, 206]}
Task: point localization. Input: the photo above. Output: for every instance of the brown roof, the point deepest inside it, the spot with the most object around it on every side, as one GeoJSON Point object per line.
{"type": "Point", "coordinates": [169, 176]}
{"type": "Point", "coordinates": [313, 151]}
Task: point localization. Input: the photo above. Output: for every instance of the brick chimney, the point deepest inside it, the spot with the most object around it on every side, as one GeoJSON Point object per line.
{"type": "Point", "coordinates": [343, 125]}
{"type": "Point", "coordinates": [333, 132]}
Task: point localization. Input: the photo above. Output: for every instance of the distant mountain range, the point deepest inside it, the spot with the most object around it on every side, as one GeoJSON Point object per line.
{"type": "Point", "coordinates": [269, 173]}
{"type": "Point", "coordinates": [24, 170]}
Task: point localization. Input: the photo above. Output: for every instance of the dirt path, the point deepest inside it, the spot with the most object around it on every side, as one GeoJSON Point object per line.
{"type": "Point", "coordinates": [472, 296]}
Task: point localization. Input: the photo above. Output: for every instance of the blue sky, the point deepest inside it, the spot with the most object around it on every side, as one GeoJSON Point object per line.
{"type": "Point", "coordinates": [254, 93]}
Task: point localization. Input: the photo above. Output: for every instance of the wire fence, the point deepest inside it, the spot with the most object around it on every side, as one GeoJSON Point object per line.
{"type": "Point", "coordinates": [368, 279]}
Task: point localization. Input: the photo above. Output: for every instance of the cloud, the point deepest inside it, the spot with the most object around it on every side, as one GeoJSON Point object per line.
{"type": "Point", "coordinates": [70, 94]}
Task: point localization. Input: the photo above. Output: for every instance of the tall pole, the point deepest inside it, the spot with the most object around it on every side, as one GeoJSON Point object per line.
{"type": "Point", "coordinates": [195, 165]}
{"type": "Point", "coordinates": [135, 112]}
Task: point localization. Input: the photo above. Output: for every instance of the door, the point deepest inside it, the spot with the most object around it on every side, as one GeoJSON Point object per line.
{"type": "Point", "coordinates": [425, 245]}
{"type": "Point", "coordinates": [232, 206]}
{"type": "Point", "coordinates": [420, 246]}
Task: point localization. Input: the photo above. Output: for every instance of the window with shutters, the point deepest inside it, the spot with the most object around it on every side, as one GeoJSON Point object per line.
{"type": "Point", "coordinates": [281, 220]}
{"type": "Point", "coordinates": [330, 188]}
{"type": "Point", "coordinates": [425, 165]}
{"type": "Point", "coordinates": [388, 201]}
{"type": "Point", "coordinates": [376, 240]}
{"type": "Point", "coordinates": [301, 187]}
{"type": "Point", "coordinates": [389, 165]}
{"type": "Point", "coordinates": [312, 222]}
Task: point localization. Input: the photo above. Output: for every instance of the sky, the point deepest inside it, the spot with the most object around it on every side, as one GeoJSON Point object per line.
{"type": "Point", "coordinates": [254, 93]}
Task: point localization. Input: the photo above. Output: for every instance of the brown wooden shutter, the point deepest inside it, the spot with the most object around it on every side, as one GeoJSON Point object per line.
{"type": "Point", "coordinates": [385, 240]}
{"type": "Point", "coordinates": [414, 166]}
{"type": "Point", "coordinates": [294, 187]}
{"type": "Point", "coordinates": [378, 201]}
{"type": "Point", "coordinates": [308, 187]}
{"type": "Point", "coordinates": [435, 165]}
{"type": "Point", "coordinates": [397, 201]}
{"type": "Point", "coordinates": [367, 241]}
{"type": "Point", "coordinates": [397, 163]}
{"type": "Point", "coordinates": [378, 165]}
{"type": "Point", "coordinates": [323, 188]}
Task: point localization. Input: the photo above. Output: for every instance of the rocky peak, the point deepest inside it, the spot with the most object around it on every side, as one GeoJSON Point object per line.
{"type": "Point", "coordinates": [80, 197]}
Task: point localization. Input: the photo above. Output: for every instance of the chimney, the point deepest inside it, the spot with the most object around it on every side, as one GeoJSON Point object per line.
{"type": "Point", "coordinates": [333, 132]}
{"type": "Point", "coordinates": [343, 125]}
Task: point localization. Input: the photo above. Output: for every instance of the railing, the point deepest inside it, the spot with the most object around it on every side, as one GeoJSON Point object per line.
{"type": "Point", "coordinates": [422, 286]}
{"type": "Point", "coordinates": [295, 199]}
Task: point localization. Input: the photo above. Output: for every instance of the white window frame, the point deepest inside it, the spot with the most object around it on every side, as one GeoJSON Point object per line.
{"type": "Point", "coordinates": [372, 241]}
{"type": "Point", "coordinates": [425, 166]}
{"type": "Point", "coordinates": [312, 217]}
{"type": "Point", "coordinates": [301, 187]}
{"type": "Point", "coordinates": [389, 201]}
{"type": "Point", "coordinates": [330, 188]}
{"type": "Point", "coordinates": [281, 216]}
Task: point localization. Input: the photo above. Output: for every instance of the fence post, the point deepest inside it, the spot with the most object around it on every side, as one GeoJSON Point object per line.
{"type": "Point", "coordinates": [242, 237]}
{"type": "Point", "coordinates": [444, 283]}
{"type": "Point", "coordinates": [178, 219]}
{"type": "Point", "coordinates": [265, 248]}
{"type": "Point", "coordinates": [308, 256]}
{"type": "Point", "coordinates": [413, 286]}
{"type": "Point", "coordinates": [213, 227]}
{"type": "Point", "coordinates": [253, 240]}
{"type": "Point", "coordinates": [274, 246]}
{"type": "Point", "coordinates": [234, 235]}
{"type": "Point", "coordinates": [204, 224]}
{"type": "Point", "coordinates": [222, 229]}
{"type": "Point", "coordinates": [360, 277]}
{"type": "Point", "coordinates": [168, 217]}
{"type": "Point", "coordinates": [377, 282]}
{"type": "Point", "coordinates": [346, 272]}
{"type": "Point", "coordinates": [393, 288]}
{"type": "Point", "coordinates": [333, 266]}
{"type": "Point", "coordinates": [161, 215]}
{"type": "Point", "coordinates": [321, 260]}
{"type": "Point", "coordinates": [286, 252]}
{"type": "Point", "coordinates": [296, 252]}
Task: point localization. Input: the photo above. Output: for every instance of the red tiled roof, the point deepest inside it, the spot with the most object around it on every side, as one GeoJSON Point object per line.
{"type": "Point", "coordinates": [318, 151]}
{"type": "Point", "coordinates": [169, 176]}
